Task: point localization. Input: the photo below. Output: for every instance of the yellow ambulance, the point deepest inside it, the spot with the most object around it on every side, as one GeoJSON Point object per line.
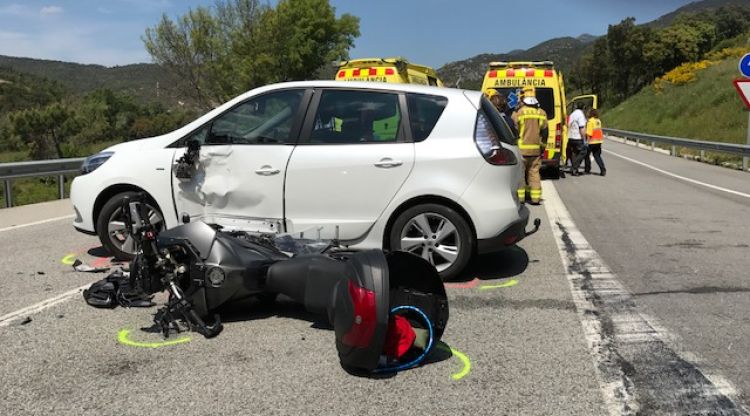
{"type": "Point", "coordinates": [509, 78]}
{"type": "Point", "coordinates": [397, 70]}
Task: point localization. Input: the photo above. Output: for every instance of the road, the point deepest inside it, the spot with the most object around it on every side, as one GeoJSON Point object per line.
{"type": "Point", "coordinates": [631, 299]}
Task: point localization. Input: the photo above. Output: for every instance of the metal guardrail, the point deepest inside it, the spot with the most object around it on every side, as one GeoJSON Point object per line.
{"type": "Point", "coordinates": [53, 167]}
{"type": "Point", "coordinates": [737, 149]}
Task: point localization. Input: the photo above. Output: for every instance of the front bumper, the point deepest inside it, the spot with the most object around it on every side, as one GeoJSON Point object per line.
{"type": "Point", "coordinates": [512, 234]}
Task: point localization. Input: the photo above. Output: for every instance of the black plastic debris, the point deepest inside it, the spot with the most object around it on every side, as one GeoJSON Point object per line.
{"type": "Point", "coordinates": [80, 266]}
{"type": "Point", "coordinates": [116, 290]}
{"type": "Point", "coordinates": [26, 321]}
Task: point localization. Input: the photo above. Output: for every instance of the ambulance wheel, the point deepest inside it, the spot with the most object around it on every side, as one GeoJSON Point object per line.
{"type": "Point", "coordinates": [436, 233]}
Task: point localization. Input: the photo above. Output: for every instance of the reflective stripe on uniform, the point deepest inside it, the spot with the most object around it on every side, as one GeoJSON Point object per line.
{"type": "Point", "coordinates": [529, 114]}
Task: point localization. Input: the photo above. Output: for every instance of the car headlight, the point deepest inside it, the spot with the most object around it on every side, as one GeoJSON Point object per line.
{"type": "Point", "coordinates": [93, 162]}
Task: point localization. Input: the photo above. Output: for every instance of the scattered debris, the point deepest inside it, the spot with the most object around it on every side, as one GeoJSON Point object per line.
{"type": "Point", "coordinates": [80, 266]}
{"type": "Point", "coordinates": [26, 321]}
{"type": "Point", "coordinates": [40, 273]}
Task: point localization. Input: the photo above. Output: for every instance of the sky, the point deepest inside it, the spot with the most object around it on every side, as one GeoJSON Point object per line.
{"type": "Point", "coordinates": [429, 32]}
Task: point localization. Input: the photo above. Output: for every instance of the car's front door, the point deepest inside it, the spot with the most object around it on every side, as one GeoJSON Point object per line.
{"type": "Point", "coordinates": [239, 178]}
{"type": "Point", "coordinates": [353, 156]}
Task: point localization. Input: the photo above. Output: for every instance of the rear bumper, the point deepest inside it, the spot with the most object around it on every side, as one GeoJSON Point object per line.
{"type": "Point", "coordinates": [512, 234]}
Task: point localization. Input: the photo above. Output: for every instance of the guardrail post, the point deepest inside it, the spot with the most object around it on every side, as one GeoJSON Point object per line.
{"type": "Point", "coordinates": [61, 186]}
{"type": "Point", "coordinates": [8, 189]}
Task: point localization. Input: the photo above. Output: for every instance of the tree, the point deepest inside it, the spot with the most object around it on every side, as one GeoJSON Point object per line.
{"type": "Point", "coordinates": [44, 130]}
{"type": "Point", "coordinates": [238, 45]}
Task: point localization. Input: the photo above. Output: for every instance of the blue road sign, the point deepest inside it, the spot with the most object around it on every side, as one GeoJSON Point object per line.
{"type": "Point", "coordinates": [745, 66]}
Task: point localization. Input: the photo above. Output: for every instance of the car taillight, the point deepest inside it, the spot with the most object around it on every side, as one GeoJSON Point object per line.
{"type": "Point", "coordinates": [558, 136]}
{"type": "Point", "coordinates": [489, 145]}
{"type": "Point", "coordinates": [365, 317]}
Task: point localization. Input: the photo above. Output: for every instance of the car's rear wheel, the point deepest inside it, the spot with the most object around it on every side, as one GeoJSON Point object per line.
{"type": "Point", "coordinates": [110, 226]}
{"type": "Point", "coordinates": [436, 233]}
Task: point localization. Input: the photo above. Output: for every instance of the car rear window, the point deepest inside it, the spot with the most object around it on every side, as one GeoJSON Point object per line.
{"type": "Point", "coordinates": [504, 132]}
{"type": "Point", "coordinates": [424, 113]}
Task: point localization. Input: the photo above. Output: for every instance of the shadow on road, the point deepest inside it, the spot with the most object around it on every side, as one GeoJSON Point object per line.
{"type": "Point", "coordinates": [510, 262]}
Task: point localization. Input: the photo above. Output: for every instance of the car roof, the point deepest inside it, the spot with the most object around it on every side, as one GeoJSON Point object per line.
{"type": "Point", "coordinates": [365, 85]}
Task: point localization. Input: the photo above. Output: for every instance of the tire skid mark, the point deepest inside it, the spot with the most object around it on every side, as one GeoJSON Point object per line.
{"type": "Point", "coordinates": [641, 366]}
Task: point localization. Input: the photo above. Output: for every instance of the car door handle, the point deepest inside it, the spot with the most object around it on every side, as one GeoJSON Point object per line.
{"type": "Point", "coordinates": [387, 163]}
{"type": "Point", "coordinates": [267, 170]}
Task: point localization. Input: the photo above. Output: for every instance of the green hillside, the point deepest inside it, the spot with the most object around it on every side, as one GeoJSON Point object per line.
{"type": "Point", "coordinates": [137, 80]}
{"type": "Point", "coordinates": [707, 108]}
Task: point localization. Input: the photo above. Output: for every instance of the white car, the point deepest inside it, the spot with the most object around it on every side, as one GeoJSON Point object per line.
{"type": "Point", "coordinates": [429, 170]}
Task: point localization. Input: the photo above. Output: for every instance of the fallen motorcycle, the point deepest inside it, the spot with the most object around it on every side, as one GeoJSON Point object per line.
{"type": "Point", "coordinates": [387, 310]}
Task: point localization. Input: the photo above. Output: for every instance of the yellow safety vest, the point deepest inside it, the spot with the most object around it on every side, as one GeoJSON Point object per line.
{"type": "Point", "coordinates": [594, 131]}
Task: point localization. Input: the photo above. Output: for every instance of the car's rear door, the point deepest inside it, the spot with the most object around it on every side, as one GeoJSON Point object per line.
{"type": "Point", "coordinates": [354, 153]}
{"type": "Point", "coordinates": [239, 178]}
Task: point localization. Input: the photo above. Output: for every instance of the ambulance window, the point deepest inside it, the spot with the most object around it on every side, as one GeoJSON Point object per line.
{"type": "Point", "coordinates": [345, 117]}
{"type": "Point", "coordinates": [546, 97]}
{"type": "Point", "coordinates": [432, 81]}
{"type": "Point", "coordinates": [424, 113]}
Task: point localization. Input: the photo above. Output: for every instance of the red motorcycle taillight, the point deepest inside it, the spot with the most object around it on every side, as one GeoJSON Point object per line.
{"type": "Point", "coordinates": [365, 317]}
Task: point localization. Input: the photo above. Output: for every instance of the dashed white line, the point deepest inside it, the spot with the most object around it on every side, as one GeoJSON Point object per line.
{"type": "Point", "coordinates": [15, 227]}
{"type": "Point", "coordinates": [676, 176]}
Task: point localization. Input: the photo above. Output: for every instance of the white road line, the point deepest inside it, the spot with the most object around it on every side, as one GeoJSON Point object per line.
{"type": "Point", "coordinates": [15, 227]}
{"type": "Point", "coordinates": [674, 175]}
{"type": "Point", "coordinates": [616, 333]}
{"type": "Point", "coordinates": [7, 319]}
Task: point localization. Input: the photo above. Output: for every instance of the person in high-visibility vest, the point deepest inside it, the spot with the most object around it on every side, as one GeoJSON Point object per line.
{"type": "Point", "coordinates": [531, 121]}
{"type": "Point", "coordinates": [595, 137]}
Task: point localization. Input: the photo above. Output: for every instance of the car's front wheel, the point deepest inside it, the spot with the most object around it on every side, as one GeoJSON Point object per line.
{"type": "Point", "coordinates": [436, 233]}
{"type": "Point", "coordinates": [110, 226]}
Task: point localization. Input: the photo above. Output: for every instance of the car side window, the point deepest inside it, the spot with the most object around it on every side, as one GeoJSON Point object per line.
{"type": "Point", "coordinates": [262, 120]}
{"type": "Point", "coordinates": [424, 113]}
{"type": "Point", "coordinates": [356, 117]}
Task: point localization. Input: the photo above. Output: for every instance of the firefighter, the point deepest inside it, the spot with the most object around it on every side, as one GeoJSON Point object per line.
{"type": "Point", "coordinates": [531, 121]}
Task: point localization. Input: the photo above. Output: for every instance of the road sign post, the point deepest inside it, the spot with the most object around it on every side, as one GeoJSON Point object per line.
{"type": "Point", "coordinates": [743, 87]}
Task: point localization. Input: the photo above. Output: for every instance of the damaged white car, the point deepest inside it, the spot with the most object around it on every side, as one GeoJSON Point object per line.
{"type": "Point", "coordinates": [428, 170]}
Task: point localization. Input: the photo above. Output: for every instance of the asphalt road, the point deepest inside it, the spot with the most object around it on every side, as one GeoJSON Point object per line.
{"type": "Point", "coordinates": [523, 343]}
{"type": "Point", "coordinates": [679, 248]}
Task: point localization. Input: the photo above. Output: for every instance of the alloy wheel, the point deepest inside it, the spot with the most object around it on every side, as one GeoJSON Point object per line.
{"type": "Point", "coordinates": [432, 237]}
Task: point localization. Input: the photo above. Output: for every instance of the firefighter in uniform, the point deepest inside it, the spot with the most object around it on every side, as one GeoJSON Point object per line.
{"type": "Point", "coordinates": [531, 121]}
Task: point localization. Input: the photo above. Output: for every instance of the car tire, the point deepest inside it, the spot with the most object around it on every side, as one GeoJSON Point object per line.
{"type": "Point", "coordinates": [450, 252]}
{"type": "Point", "coordinates": [111, 229]}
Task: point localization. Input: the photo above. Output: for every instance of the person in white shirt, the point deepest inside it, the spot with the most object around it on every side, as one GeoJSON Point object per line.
{"type": "Point", "coordinates": [577, 137]}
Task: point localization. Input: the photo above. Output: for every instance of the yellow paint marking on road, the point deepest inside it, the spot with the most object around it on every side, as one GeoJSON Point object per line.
{"type": "Point", "coordinates": [509, 283]}
{"type": "Point", "coordinates": [461, 356]}
{"type": "Point", "coordinates": [124, 334]}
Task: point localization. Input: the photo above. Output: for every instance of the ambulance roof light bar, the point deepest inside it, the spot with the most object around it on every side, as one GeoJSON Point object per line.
{"type": "Point", "coordinates": [503, 64]}
{"type": "Point", "coordinates": [397, 60]}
